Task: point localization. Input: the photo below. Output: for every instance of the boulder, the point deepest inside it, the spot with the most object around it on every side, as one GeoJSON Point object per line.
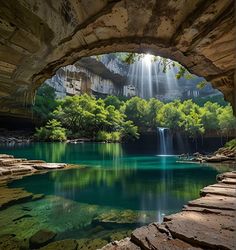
{"type": "Point", "coordinates": [41, 238]}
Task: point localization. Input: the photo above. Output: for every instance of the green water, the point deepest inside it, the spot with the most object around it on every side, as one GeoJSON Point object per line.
{"type": "Point", "coordinates": [114, 190]}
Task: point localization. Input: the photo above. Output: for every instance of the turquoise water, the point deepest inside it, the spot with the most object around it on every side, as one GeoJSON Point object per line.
{"type": "Point", "coordinates": [113, 190]}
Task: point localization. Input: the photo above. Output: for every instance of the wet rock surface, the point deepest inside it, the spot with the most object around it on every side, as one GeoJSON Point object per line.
{"type": "Point", "coordinates": [12, 168]}
{"type": "Point", "coordinates": [13, 196]}
{"type": "Point", "coordinates": [205, 223]}
{"type": "Point", "coordinates": [221, 155]}
{"type": "Point", "coordinates": [41, 238]}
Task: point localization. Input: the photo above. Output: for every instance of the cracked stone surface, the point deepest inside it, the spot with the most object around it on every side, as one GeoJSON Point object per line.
{"type": "Point", "coordinates": [38, 37]}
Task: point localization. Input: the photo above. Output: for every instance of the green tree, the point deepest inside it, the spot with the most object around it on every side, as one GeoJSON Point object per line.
{"type": "Point", "coordinates": [153, 106]}
{"type": "Point", "coordinates": [135, 110]}
{"type": "Point", "coordinates": [170, 116]}
{"type": "Point", "coordinates": [227, 121]}
{"type": "Point", "coordinates": [53, 131]}
{"type": "Point", "coordinates": [45, 103]}
{"type": "Point", "coordinates": [209, 116]}
{"type": "Point", "coordinates": [113, 100]}
{"type": "Point", "coordinates": [129, 131]}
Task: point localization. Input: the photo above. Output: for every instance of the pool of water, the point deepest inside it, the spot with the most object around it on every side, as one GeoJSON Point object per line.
{"type": "Point", "coordinates": [112, 191]}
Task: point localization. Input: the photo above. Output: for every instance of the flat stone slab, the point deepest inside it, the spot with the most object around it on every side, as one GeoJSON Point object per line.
{"type": "Point", "coordinates": [149, 237]}
{"type": "Point", "coordinates": [7, 162]}
{"type": "Point", "coordinates": [206, 230]}
{"type": "Point", "coordinates": [4, 156]}
{"type": "Point", "coordinates": [215, 202]}
{"type": "Point", "coordinates": [223, 185]}
{"type": "Point", "coordinates": [48, 166]}
{"type": "Point", "coordinates": [205, 210]}
{"type": "Point", "coordinates": [218, 191]}
{"type": "Point", "coordinates": [229, 181]}
{"type": "Point", "coordinates": [11, 196]}
{"type": "Point", "coordinates": [227, 175]}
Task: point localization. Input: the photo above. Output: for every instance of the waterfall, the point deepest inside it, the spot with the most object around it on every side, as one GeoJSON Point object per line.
{"type": "Point", "coordinates": [165, 139]}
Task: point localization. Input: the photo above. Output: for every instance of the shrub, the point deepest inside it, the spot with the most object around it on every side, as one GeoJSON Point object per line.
{"type": "Point", "coordinates": [51, 132]}
{"type": "Point", "coordinates": [102, 136]}
{"type": "Point", "coordinates": [108, 137]}
{"type": "Point", "coordinates": [115, 136]}
{"type": "Point", "coordinates": [231, 144]}
{"type": "Point", "coordinates": [41, 134]}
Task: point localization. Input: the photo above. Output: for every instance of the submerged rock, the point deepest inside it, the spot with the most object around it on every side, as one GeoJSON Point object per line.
{"type": "Point", "coordinates": [41, 238]}
{"type": "Point", "coordinates": [86, 244]}
{"type": "Point", "coordinates": [12, 196]}
{"type": "Point", "coordinates": [9, 242]}
{"type": "Point", "coordinates": [62, 245]}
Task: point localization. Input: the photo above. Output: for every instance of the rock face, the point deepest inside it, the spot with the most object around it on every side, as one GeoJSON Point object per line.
{"type": "Point", "coordinates": [38, 37]}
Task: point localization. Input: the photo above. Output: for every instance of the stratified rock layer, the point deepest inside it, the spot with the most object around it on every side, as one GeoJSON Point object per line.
{"type": "Point", "coordinates": [37, 37]}
{"type": "Point", "coordinates": [12, 168]}
{"type": "Point", "coordinates": [205, 223]}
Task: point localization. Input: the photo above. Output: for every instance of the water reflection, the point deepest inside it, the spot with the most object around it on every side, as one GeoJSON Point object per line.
{"type": "Point", "coordinates": [134, 185]}
{"type": "Point", "coordinates": [111, 190]}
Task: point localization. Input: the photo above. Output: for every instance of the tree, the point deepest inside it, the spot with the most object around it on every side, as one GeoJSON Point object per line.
{"type": "Point", "coordinates": [135, 110]}
{"type": "Point", "coordinates": [129, 131]}
{"type": "Point", "coordinates": [227, 121]}
{"type": "Point", "coordinates": [51, 132]}
{"type": "Point", "coordinates": [170, 116]}
{"type": "Point", "coordinates": [112, 100]}
{"type": "Point", "coordinates": [209, 116]}
{"type": "Point", "coordinates": [45, 103]}
{"type": "Point", "coordinates": [153, 106]}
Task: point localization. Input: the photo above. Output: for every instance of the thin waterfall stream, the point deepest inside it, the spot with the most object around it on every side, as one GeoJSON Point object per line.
{"type": "Point", "coordinates": [165, 140]}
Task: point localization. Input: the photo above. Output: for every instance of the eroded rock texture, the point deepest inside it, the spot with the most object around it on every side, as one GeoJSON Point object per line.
{"type": "Point", "coordinates": [37, 37]}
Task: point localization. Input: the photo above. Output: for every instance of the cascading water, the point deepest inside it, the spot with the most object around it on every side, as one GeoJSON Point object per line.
{"type": "Point", "coordinates": [165, 139]}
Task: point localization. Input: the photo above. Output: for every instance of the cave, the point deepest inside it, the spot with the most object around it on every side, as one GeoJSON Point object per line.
{"type": "Point", "coordinates": [37, 38]}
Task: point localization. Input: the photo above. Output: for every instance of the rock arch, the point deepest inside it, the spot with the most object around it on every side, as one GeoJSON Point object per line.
{"type": "Point", "coordinates": [38, 37]}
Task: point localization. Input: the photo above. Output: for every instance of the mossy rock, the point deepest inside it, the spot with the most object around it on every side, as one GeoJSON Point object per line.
{"type": "Point", "coordinates": [9, 242]}
{"type": "Point", "coordinates": [86, 244]}
{"type": "Point", "coordinates": [62, 245]}
{"type": "Point", "coordinates": [41, 238]}
{"type": "Point", "coordinates": [119, 217]}
{"type": "Point", "coordinates": [120, 235]}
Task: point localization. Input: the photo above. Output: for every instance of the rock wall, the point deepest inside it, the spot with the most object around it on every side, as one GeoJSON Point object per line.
{"type": "Point", "coordinates": [38, 37]}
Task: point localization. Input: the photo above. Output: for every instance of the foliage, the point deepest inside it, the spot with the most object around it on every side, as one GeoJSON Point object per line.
{"type": "Point", "coordinates": [113, 100]}
{"type": "Point", "coordinates": [135, 110]}
{"type": "Point", "coordinates": [51, 132]}
{"type": "Point", "coordinates": [170, 115]}
{"type": "Point", "coordinates": [231, 144]}
{"type": "Point", "coordinates": [209, 116]}
{"type": "Point", "coordinates": [108, 137]}
{"type": "Point", "coordinates": [86, 116]}
{"type": "Point", "coordinates": [114, 120]}
{"type": "Point", "coordinates": [227, 121]}
{"type": "Point", "coordinates": [215, 98]}
{"type": "Point", "coordinates": [129, 131]}
{"type": "Point", "coordinates": [45, 103]}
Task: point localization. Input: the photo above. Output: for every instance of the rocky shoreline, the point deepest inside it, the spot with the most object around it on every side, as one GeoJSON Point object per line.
{"type": "Point", "coordinates": [223, 154]}
{"type": "Point", "coordinates": [204, 223]}
{"type": "Point", "coordinates": [13, 168]}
